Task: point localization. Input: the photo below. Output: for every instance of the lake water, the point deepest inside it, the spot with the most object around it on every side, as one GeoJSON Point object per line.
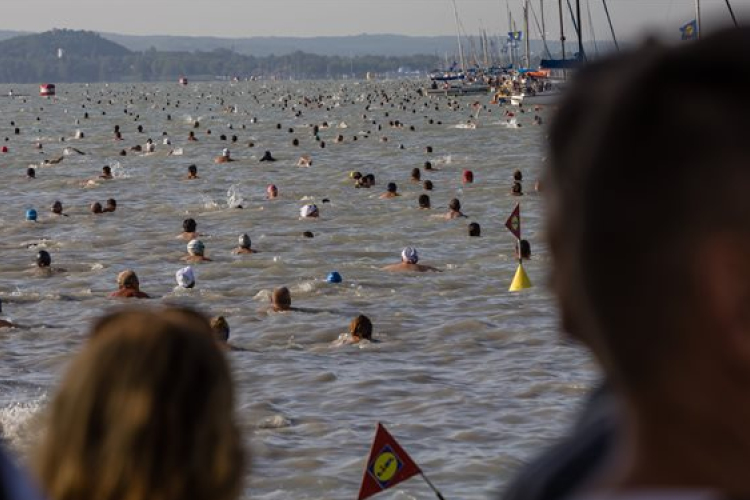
{"type": "Point", "coordinates": [471, 379]}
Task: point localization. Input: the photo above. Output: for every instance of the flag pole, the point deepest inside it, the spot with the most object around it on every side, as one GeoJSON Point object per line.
{"type": "Point", "coordinates": [432, 486]}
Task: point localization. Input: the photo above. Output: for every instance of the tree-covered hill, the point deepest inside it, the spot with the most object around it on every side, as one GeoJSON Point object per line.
{"type": "Point", "coordinates": [84, 44]}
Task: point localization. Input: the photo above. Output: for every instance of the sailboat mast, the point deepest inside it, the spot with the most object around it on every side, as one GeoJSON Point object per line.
{"type": "Point", "coordinates": [581, 54]}
{"type": "Point", "coordinates": [698, 16]}
{"type": "Point", "coordinates": [526, 33]}
{"type": "Point", "coordinates": [562, 28]}
{"type": "Point", "coordinates": [544, 29]}
{"type": "Point", "coordinates": [458, 35]}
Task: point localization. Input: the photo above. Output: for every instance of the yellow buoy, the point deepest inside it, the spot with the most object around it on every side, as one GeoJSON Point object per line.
{"type": "Point", "coordinates": [521, 280]}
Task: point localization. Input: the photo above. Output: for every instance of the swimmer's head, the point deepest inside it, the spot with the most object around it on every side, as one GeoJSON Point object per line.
{"type": "Point", "coordinates": [355, 175]}
{"type": "Point", "coordinates": [245, 241]}
{"type": "Point", "coordinates": [128, 279]}
{"type": "Point", "coordinates": [31, 214]}
{"type": "Point", "coordinates": [468, 177]}
{"type": "Point", "coordinates": [308, 234]}
{"type": "Point", "coordinates": [454, 205]}
{"type": "Point", "coordinates": [189, 225]}
{"type": "Point", "coordinates": [428, 165]}
{"type": "Point", "coordinates": [416, 174]}
{"type": "Point", "coordinates": [196, 248]}
{"type": "Point", "coordinates": [220, 328]}
{"type": "Point", "coordinates": [334, 277]}
{"type": "Point", "coordinates": [31, 173]}
{"type": "Point", "coordinates": [96, 208]}
{"type": "Point", "coordinates": [57, 207]}
{"type": "Point", "coordinates": [475, 229]}
{"type": "Point", "coordinates": [361, 327]}
{"type": "Point", "coordinates": [111, 205]}
{"type": "Point", "coordinates": [282, 298]}
{"type": "Point", "coordinates": [517, 176]}
{"type": "Point", "coordinates": [185, 277]}
{"type": "Point", "coordinates": [43, 259]}
{"type": "Point", "coordinates": [225, 153]}
{"type": "Point", "coordinates": [193, 170]}
{"type": "Point", "coordinates": [410, 255]}
{"type": "Point", "coordinates": [272, 190]}
{"type": "Point", "coordinates": [309, 211]}
{"type": "Point", "coordinates": [107, 170]}
{"type": "Point", "coordinates": [391, 188]}
{"type": "Point", "coordinates": [424, 201]}
{"type": "Point", "coordinates": [427, 185]}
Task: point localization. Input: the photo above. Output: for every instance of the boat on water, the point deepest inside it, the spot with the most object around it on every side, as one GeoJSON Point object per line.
{"type": "Point", "coordinates": [459, 89]}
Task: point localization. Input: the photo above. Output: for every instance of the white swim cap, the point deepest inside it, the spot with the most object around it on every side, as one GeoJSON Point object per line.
{"type": "Point", "coordinates": [225, 152]}
{"type": "Point", "coordinates": [185, 277]}
{"type": "Point", "coordinates": [308, 210]}
{"type": "Point", "coordinates": [410, 255]}
{"type": "Point", "coordinates": [196, 247]}
{"type": "Point", "coordinates": [166, 141]}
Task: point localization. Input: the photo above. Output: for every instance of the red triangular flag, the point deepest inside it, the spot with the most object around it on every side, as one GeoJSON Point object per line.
{"type": "Point", "coordinates": [514, 222]}
{"type": "Point", "coordinates": [387, 465]}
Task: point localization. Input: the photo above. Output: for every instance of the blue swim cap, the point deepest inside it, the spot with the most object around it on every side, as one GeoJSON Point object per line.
{"type": "Point", "coordinates": [334, 277]}
{"type": "Point", "coordinates": [31, 214]}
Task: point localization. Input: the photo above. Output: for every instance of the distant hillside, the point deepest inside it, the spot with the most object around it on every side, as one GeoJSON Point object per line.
{"type": "Point", "coordinates": [380, 45]}
{"type": "Point", "coordinates": [78, 43]}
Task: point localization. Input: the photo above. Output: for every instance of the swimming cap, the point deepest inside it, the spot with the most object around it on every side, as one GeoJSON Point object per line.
{"type": "Point", "coordinates": [225, 152]}
{"type": "Point", "coordinates": [167, 141]}
{"type": "Point", "coordinates": [308, 210]}
{"type": "Point", "coordinates": [271, 187]}
{"type": "Point", "coordinates": [410, 255]}
{"type": "Point", "coordinates": [185, 277]}
{"type": "Point", "coordinates": [5, 149]}
{"type": "Point", "coordinates": [31, 214]}
{"type": "Point", "coordinates": [468, 176]}
{"type": "Point", "coordinates": [196, 247]}
{"type": "Point", "coordinates": [334, 277]}
{"type": "Point", "coordinates": [245, 241]}
{"type": "Point", "coordinates": [43, 258]}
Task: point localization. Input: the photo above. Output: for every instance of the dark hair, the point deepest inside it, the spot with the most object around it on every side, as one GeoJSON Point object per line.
{"type": "Point", "coordinates": [475, 229]}
{"type": "Point", "coordinates": [454, 205]}
{"type": "Point", "coordinates": [189, 225]}
{"type": "Point", "coordinates": [517, 175]}
{"type": "Point", "coordinates": [416, 174]}
{"type": "Point", "coordinates": [43, 259]}
{"type": "Point", "coordinates": [427, 185]}
{"type": "Point", "coordinates": [427, 165]}
{"type": "Point", "coordinates": [192, 169]}
{"type": "Point", "coordinates": [598, 135]}
{"type": "Point", "coordinates": [392, 187]}
{"type": "Point", "coordinates": [31, 172]}
{"type": "Point", "coordinates": [424, 201]}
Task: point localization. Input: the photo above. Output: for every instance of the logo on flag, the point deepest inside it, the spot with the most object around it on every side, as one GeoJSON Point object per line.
{"type": "Point", "coordinates": [515, 36]}
{"type": "Point", "coordinates": [514, 222]}
{"type": "Point", "coordinates": [690, 30]}
{"type": "Point", "coordinates": [387, 465]}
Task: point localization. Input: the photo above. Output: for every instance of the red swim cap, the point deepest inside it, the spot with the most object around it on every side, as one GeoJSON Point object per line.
{"type": "Point", "coordinates": [468, 177]}
{"type": "Point", "coordinates": [5, 149]}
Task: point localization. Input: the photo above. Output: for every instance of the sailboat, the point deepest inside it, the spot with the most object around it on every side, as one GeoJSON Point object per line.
{"type": "Point", "coordinates": [456, 83]}
{"type": "Point", "coordinates": [546, 86]}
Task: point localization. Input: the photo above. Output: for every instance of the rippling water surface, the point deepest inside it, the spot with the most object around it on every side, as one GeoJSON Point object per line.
{"type": "Point", "coordinates": [470, 378]}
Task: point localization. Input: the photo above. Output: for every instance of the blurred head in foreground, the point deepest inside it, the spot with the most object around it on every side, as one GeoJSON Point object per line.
{"type": "Point", "coordinates": [668, 247]}
{"type": "Point", "coordinates": [148, 404]}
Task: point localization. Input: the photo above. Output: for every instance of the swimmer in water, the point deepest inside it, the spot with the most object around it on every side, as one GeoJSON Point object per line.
{"type": "Point", "coordinates": [224, 158]}
{"type": "Point", "coordinates": [106, 173]}
{"type": "Point", "coordinates": [267, 157]}
{"type": "Point", "coordinates": [467, 177]}
{"type": "Point", "coordinates": [416, 175]}
{"type": "Point", "coordinates": [304, 161]}
{"type": "Point", "coordinates": [245, 246]}
{"type": "Point", "coordinates": [31, 173]}
{"type": "Point", "coordinates": [128, 286]}
{"type": "Point", "coordinates": [221, 330]}
{"type": "Point", "coordinates": [424, 202]}
{"type": "Point", "coordinates": [391, 191]}
{"type": "Point", "coordinates": [517, 189]}
{"type": "Point", "coordinates": [189, 232]}
{"type": "Point", "coordinates": [454, 210]}
{"type": "Point", "coordinates": [57, 208]}
{"type": "Point", "coordinates": [272, 192]}
{"type": "Point", "coordinates": [410, 263]}
{"type": "Point", "coordinates": [427, 185]}
{"type": "Point", "coordinates": [185, 278]}
{"type": "Point", "coordinates": [309, 212]}
{"type": "Point", "coordinates": [96, 208]}
{"type": "Point", "coordinates": [523, 250]}
{"type": "Point", "coordinates": [192, 172]}
{"type": "Point", "coordinates": [475, 230]}
{"type": "Point", "coordinates": [359, 329]}
{"type": "Point", "coordinates": [281, 300]}
{"type": "Point", "coordinates": [196, 250]}
{"type": "Point", "coordinates": [111, 206]}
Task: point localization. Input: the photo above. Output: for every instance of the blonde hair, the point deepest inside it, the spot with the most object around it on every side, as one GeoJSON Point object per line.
{"type": "Point", "coordinates": [146, 411]}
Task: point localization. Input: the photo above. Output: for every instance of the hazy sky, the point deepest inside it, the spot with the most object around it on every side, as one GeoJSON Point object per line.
{"type": "Point", "coordinates": [243, 18]}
